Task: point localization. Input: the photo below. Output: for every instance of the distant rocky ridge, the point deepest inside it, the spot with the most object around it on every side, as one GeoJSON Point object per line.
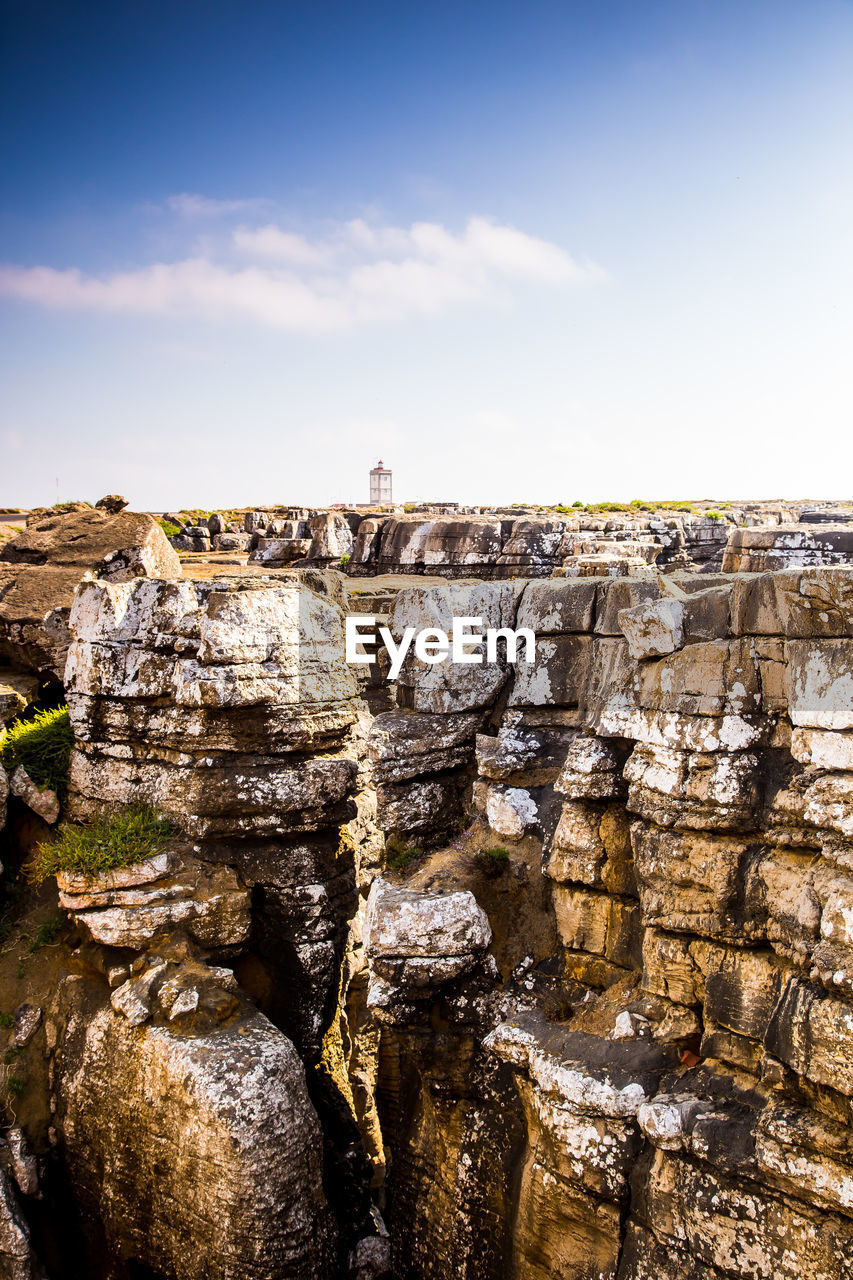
{"type": "Point", "coordinates": [507, 542]}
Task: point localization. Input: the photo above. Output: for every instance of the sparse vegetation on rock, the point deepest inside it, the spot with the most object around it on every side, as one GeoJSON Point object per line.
{"type": "Point", "coordinates": [119, 838]}
{"type": "Point", "coordinates": [42, 745]}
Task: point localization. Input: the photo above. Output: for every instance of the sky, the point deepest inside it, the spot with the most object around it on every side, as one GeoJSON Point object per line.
{"type": "Point", "coordinates": [529, 252]}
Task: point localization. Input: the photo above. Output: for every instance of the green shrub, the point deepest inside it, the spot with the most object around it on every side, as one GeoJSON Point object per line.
{"type": "Point", "coordinates": [170, 529]}
{"type": "Point", "coordinates": [399, 857]}
{"type": "Point", "coordinates": [714, 515]}
{"type": "Point", "coordinates": [493, 861]}
{"type": "Point", "coordinates": [344, 561]}
{"type": "Point", "coordinates": [115, 839]}
{"type": "Point", "coordinates": [42, 745]}
{"type": "Point", "coordinates": [47, 932]}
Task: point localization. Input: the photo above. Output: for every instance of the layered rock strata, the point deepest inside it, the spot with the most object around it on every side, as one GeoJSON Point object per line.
{"type": "Point", "coordinates": [591, 1015]}
{"type": "Point", "coordinates": [227, 707]}
{"type": "Point", "coordinates": [679, 1099]}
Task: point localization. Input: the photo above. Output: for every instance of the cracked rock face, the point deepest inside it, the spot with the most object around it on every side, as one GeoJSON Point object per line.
{"type": "Point", "coordinates": [192, 1154]}
{"type": "Point", "coordinates": [40, 569]}
{"type": "Point", "coordinates": [165, 894]}
{"type": "Point", "coordinates": [600, 1027]}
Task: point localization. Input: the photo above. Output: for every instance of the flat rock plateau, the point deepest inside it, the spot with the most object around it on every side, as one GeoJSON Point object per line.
{"type": "Point", "coordinates": [509, 971]}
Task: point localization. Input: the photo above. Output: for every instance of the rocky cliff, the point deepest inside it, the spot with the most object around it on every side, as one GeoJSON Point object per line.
{"type": "Point", "coordinates": [662, 1088]}
{"type": "Point", "coordinates": [545, 972]}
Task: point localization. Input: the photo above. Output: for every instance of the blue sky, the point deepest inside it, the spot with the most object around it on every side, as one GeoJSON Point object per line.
{"type": "Point", "coordinates": [525, 253]}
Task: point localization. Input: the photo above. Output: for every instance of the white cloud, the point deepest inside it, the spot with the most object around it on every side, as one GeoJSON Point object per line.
{"type": "Point", "coordinates": [281, 246]}
{"type": "Point", "coordinates": [357, 274]}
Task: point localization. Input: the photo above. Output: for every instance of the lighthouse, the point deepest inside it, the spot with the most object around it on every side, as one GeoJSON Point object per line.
{"type": "Point", "coordinates": [380, 486]}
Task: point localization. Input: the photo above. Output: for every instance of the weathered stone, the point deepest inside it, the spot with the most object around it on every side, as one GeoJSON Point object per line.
{"type": "Point", "coordinates": [407, 744]}
{"type": "Point", "coordinates": [592, 770]}
{"type": "Point", "coordinates": [556, 676]}
{"type": "Point", "coordinates": [331, 537]}
{"type": "Point", "coordinates": [411, 922]}
{"type": "Point", "coordinates": [43, 802]}
{"type": "Point", "coordinates": [692, 790]}
{"type": "Point", "coordinates": [653, 629]}
{"type": "Point", "coordinates": [229, 797]}
{"type": "Point", "coordinates": [526, 756]}
{"type": "Point", "coordinates": [17, 1258]}
{"type": "Point", "coordinates": [43, 566]}
{"type": "Point", "coordinates": [592, 846]}
{"type": "Point", "coordinates": [27, 1019]}
{"type": "Point", "coordinates": [222, 1175]}
{"type": "Point", "coordinates": [231, 542]}
{"type": "Point", "coordinates": [556, 605]}
{"type": "Point", "coordinates": [689, 881]}
{"type": "Point", "coordinates": [510, 811]}
{"type": "Point", "coordinates": [17, 688]}
{"type": "Point", "coordinates": [820, 683]}
{"type": "Point", "coordinates": [419, 807]}
{"type": "Point", "coordinates": [207, 902]}
{"type": "Point", "coordinates": [598, 924]}
{"type": "Point", "coordinates": [445, 686]}
{"type": "Point", "coordinates": [113, 503]}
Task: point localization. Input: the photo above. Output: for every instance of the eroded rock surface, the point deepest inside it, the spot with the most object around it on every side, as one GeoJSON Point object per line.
{"type": "Point", "coordinates": [40, 569]}
{"type": "Point", "coordinates": [191, 1155]}
{"type": "Point", "coordinates": [593, 1015]}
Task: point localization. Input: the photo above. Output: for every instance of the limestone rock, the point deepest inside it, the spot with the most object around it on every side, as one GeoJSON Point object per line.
{"type": "Point", "coordinates": [17, 689]}
{"type": "Point", "coordinates": [416, 941]}
{"type": "Point", "coordinates": [558, 606]}
{"type": "Point", "coordinates": [17, 1259]}
{"type": "Point", "coordinates": [510, 811]}
{"type": "Point", "coordinates": [40, 569]}
{"type": "Point", "coordinates": [113, 503]}
{"type": "Point", "coordinates": [222, 1175]}
{"type": "Point", "coordinates": [230, 542]}
{"type": "Point", "coordinates": [418, 923]}
{"type": "Point", "coordinates": [654, 629]}
{"type": "Point", "coordinates": [27, 1019]}
{"type": "Point", "coordinates": [45, 803]}
{"type": "Point", "coordinates": [407, 744]}
{"type": "Point", "coordinates": [166, 894]}
{"type": "Point", "coordinates": [592, 770]}
{"type": "Point", "coordinates": [446, 686]}
{"type": "Point", "coordinates": [518, 754]}
{"type": "Point", "coordinates": [331, 537]}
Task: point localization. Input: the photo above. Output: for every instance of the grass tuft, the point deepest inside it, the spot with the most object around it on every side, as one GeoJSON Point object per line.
{"type": "Point", "coordinates": [116, 839]}
{"type": "Point", "coordinates": [493, 861]}
{"type": "Point", "coordinates": [42, 745]}
{"type": "Point", "coordinates": [399, 857]}
{"type": "Point", "coordinates": [169, 527]}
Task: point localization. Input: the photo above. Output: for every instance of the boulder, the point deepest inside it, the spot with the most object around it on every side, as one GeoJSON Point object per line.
{"type": "Point", "coordinates": [17, 689]}
{"type": "Point", "coordinates": [40, 569]}
{"type": "Point", "coordinates": [222, 1175]}
{"type": "Point", "coordinates": [112, 503]}
{"type": "Point", "coordinates": [653, 629]}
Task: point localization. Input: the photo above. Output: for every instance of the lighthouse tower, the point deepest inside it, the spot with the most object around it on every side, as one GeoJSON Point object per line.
{"type": "Point", "coordinates": [380, 486]}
